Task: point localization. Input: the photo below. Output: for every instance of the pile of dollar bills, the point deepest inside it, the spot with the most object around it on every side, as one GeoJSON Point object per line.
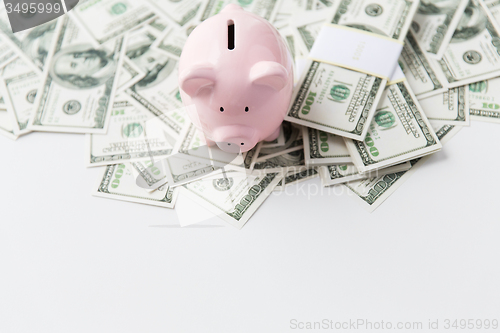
{"type": "Point", "coordinates": [109, 69]}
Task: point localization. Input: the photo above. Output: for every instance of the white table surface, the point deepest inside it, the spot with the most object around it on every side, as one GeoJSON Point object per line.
{"type": "Point", "coordinates": [71, 262]}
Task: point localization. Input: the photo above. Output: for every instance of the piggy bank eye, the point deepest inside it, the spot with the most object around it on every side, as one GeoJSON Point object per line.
{"type": "Point", "coordinates": [221, 109]}
{"type": "Point", "coordinates": [246, 108]}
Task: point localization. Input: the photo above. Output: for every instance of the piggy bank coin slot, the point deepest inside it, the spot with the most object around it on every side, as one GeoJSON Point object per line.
{"type": "Point", "coordinates": [230, 34]}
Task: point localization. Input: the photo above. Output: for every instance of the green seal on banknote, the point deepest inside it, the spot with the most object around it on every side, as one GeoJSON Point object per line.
{"type": "Point", "coordinates": [340, 92]}
{"type": "Point", "coordinates": [132, 130]}
{"type": "Point", "coordinates": [323, 137]}
{"type": "Point", "coordinates": [385, 119]}
{"type": "Point", "coordinates": [118, 8]}
{"type": "Point", "coordinates": [478, 86]}
{"type": "Point", "coordinates": [245, 2]}
{"type": "Point", "coordinates": [118, 174]}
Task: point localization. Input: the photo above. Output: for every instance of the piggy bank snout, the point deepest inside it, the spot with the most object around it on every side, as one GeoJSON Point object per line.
{"type": "Point", "coordinates": [236, 139]}
{"type": "Point", "coordinates": [236, 145]}
{"type": "Point", "coordinates": [231, 147]}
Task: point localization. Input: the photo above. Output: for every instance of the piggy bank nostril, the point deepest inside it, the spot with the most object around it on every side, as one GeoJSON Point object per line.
{"type": "Point", "coordinates": [221, 109]}
{"type": "Point", "coordinates": [246, 108]}
{"type": "Point", "coordinates": [242, 143]}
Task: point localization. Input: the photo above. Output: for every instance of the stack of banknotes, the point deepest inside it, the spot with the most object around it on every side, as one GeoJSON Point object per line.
{"type": "Point", "coordinates": [109, 68]}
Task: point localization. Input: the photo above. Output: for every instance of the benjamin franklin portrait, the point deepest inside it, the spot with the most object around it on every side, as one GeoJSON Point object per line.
{"type": "Point", "coordinates": [37, 43]}
{"type": "Point", "coordinates": [82, 67]}
{"type": "Point", "coordinates": [472, 22]}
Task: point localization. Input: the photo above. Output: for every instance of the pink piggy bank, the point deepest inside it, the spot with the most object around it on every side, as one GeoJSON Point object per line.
{"type": "Point", "coordinates": [237, 71]}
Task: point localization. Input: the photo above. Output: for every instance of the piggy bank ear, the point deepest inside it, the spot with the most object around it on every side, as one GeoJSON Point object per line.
{"type": "Point", "coordinates": [197, 77]}
{"type": "Point", "coordinates": [269, 73]}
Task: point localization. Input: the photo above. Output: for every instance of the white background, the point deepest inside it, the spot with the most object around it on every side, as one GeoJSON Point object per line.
{"type": "Point", "coordinates": [71, 262]}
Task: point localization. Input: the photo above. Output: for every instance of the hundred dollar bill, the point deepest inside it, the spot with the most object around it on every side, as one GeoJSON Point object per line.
{"type": "Point", "coordinates": [118, 182]}
{"type": "Point", "coordinates": [192, 145]}
{"type": "Point", "coordinates": [266, 9]}
{"type": "Point", "coordinates": [335, 100]}
{"type": "Point", "coordinates": [79, 87]}
{"type": "Point", "coordinates": [340, 174]}
{"type": "Point", "coordinates": [281, 22]}
{"type": "Point", "coordinates": [129, 74]}
{"type": "Point", "coordinates": [398, 132]}
{"type": "Point", "coordinates": [342, 101]}
{"type": "Point", "coordinates": [233, 197]}
{"type": "Point", "coordinates": [474, 50]}
{"type": "Point", "coordinates": [295, 177]}
{"type": "Point", "coordinates": [285, 11]}
{"type": "Point", "coordinates": [160, 23]}
{"type": "Point", "coordinates": [286, 162]}
{"type": "Point", "coordinates": [171, 42]}
{"type": "Point", "coordinates": [450, 107]}
{"type": "Point", "coordinates": [180, 170]}
{"type": "Point", "coordinates": [158, 91]}
{"type": "Point", "coordinates": [434, 24]}
{"type": "Point", "coordinates": [289, 157]}
{"type": "Point", "coordinates": [7, 121]}
{"type": "Point", "coordinates": [31, 45]}
{"type": "Point", "coordinates": [484, 100]}
{"type": "Point", "coordinates": [391, 18]}
{"type": "Point", "coordinates": [321, 148]}
{"type": "Point", "coordinates": [7, 54]}
{"type": "Point", "coordinates": [321, 5]}
{"type": "Point", "coordinates": [494, 8]}
{"type": "Point", "coordinates": [181, 12]}
{"type": "Point", "coordinates": [424, 77]}
{"type": "Point", "coordinates": [16, 66]}
{"type": "Point", "coordinates": [149, 173]}
{"type": "Point", "coordinates": [20, 86]}
{"type": "Point", "coordinates": [373, 191]}
{"type": "Point", "coordinates": [278, 142]}
{"type": "Point", "coordinates": [293, 141]}
{"type": "Point", "coordinates": [250, 156]}
{"type": "Point", "coordinates": [133, 134]}
{"type": "Point", "coordinates": [305, 27]}
{"type": "Point", "coordinates": [108, 19]}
